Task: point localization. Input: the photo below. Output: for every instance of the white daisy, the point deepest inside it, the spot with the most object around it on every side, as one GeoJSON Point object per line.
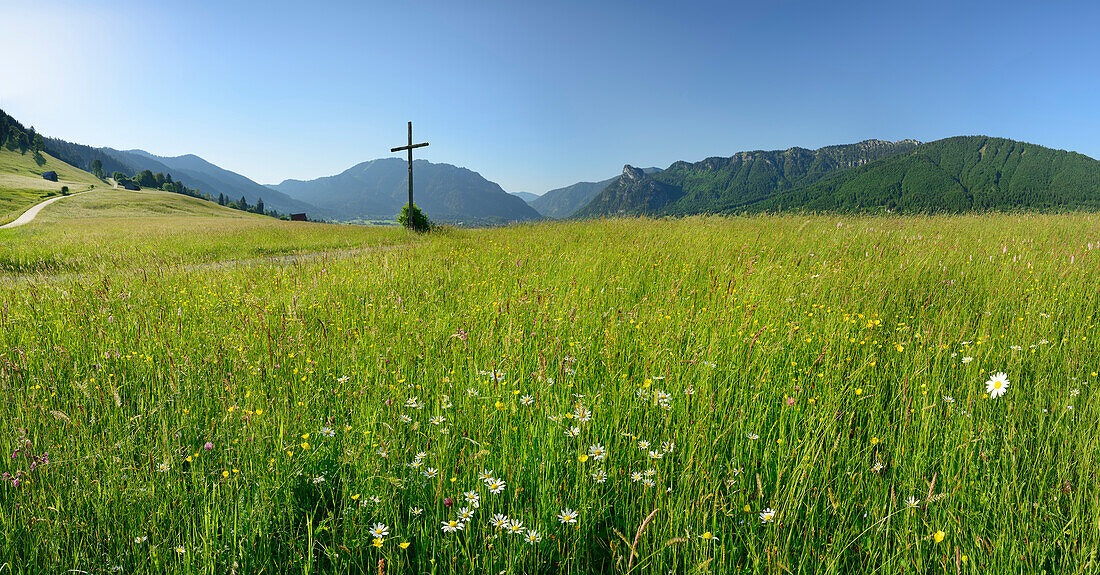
{"type": "Point", "coordinates": [997, 385]}
{"type": "Point", "coordinates": [495, 485]}
{"type": "Point", "coordinates": [379, 530]}
{"type": "Point", "coordinates": [452, 526]}
{"type": "Point", "coordinates": [767, 515]}
{"type": "Point", "coordinates": [567, 515]}
{"type": "Point", "coordinates": [500, 521]}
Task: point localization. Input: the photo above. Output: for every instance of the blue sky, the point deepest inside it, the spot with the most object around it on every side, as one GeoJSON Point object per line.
{"type": "Point", "coordinates": [538, 95]}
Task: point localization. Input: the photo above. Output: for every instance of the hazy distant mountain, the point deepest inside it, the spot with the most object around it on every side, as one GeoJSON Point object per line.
{"type": "Point", "coordinates": [380, 188]}
{"type": "Point", "coordinates": [525, 196]}
{"type": "Point", "coordinates": [717, 185]}
{"type": "Point", "coordinates": [196, 172]}
{"type": "Point", "coordinates": [564, 202]}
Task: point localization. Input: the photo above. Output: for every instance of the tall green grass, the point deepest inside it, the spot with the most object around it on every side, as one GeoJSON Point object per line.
{"type": "Point", "coordinates": [801, 365]}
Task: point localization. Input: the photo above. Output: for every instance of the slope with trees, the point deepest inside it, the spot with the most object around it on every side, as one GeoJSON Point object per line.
{"type": "Point", "coordinates": [198, 173]}
{"type": "Point", "coordinates": [956, 175]}
{"type": "Point", "coordinates": [564, 202]}
{"type": "Point", "coordinates": [717, 184]}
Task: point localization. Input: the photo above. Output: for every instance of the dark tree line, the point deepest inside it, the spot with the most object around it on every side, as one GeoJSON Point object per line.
{"type": "Point", "coordinates": [14, 136]}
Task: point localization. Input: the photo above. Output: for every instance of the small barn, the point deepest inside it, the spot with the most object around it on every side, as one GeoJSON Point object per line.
{"type": "Point", "coordinates": [298, 218]}
{"type": "Point", "coordinates": [50, 175]}
{"type": "Point", "coordinates": [131, 186]}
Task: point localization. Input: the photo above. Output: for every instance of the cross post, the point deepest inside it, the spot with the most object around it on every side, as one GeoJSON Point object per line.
{"type": "Point", "coordinates": [410, 147]}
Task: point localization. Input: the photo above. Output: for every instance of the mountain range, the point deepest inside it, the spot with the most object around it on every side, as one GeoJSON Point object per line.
{"type": "Point", "coordinates": [564, 202]}
{"type": "Point", "coordinates": [525, 196]}
{"type": "Point", "coordinates": [721, 185]}
{"type": "Point", "coordinates": [380, 188]}
{"type": "Point", "coordinates": [950, 175]}
{"type": "Point", "coordinates": [190, 169]}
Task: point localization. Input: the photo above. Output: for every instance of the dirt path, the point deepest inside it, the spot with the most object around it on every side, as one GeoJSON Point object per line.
{"type": "Point", "coordinates": [30, 214]}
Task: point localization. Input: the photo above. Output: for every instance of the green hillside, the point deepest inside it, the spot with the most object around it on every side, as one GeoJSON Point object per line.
{"type": "Point", "coordinates": [632, 193]}
{"type": "Point", "coordinates": [564, 202]}
{"type": "Point", "coordinates": [952, 175]}
{"type": "Point", "coordinates": [717, 185]}
{"type": "Point", "coordinates": [956, 175]}
{"type": "Point", "coordinates": [22, 186]}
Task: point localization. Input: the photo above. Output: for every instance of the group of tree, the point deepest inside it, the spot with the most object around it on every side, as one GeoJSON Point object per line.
{"type": "Point", "coordinates": [14, 136]}
{"type": "Point", "coordinates": [243, 205]}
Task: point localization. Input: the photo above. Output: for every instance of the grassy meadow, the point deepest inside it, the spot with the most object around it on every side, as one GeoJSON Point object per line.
{"type": "Point", "coordinates": [700, 395]}
{"type": "Point", "coordinates": [153, 231]}
{"type": "Point", "coordinates": [22, 186]}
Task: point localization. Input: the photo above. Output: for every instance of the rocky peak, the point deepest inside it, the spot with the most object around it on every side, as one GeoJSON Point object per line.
{"type": "Point", "coordinates": [632, 173]}
{"type": "Point", "coordinates": [874, 143]}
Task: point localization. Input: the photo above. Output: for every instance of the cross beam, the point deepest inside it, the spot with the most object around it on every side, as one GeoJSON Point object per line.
{"type": "Point", "coordinates": [410, 148]}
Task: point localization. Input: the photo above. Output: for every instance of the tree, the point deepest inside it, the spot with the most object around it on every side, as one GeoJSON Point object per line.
{"type": "Point", "coordinates": [38, 144]}
{"type": "Point", "coordinates": [259, 206]}
{"type": "Point", "coordinates": [159, 177]}
{"type": "Point", "coordinates": [168, 178]}
{"type": "Point", "coordinates": [415, 221]}
{"type": "Point", "coordinates": [146, 179]}
{"type": "Point", "coordinates": [221, 199]}
{"type": "Point", "coordinates": [97, 168]}
{"type": "Point", "coordinates": [243, 204]}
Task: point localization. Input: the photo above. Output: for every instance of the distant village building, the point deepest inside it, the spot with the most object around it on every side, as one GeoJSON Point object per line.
{"type": "Point", "coordinates": [298, 218]}
{"type": "Point", "coordinates": [50, 175]}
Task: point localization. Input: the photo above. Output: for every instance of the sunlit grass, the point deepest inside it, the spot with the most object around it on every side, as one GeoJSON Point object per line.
{"type": "Point", "coordinates": [266, 417]}
{"type": "Point", "coordinates": [22, 186]}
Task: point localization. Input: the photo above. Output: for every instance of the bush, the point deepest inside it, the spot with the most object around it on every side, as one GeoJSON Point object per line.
{"type": "Point", "coordinates": [64, 190]}
{"type": "Point", "coordinates": [418, 222]}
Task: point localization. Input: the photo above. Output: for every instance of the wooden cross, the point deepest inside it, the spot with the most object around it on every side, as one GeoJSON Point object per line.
{"type": "Point", "coordinates": [410, 149]}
